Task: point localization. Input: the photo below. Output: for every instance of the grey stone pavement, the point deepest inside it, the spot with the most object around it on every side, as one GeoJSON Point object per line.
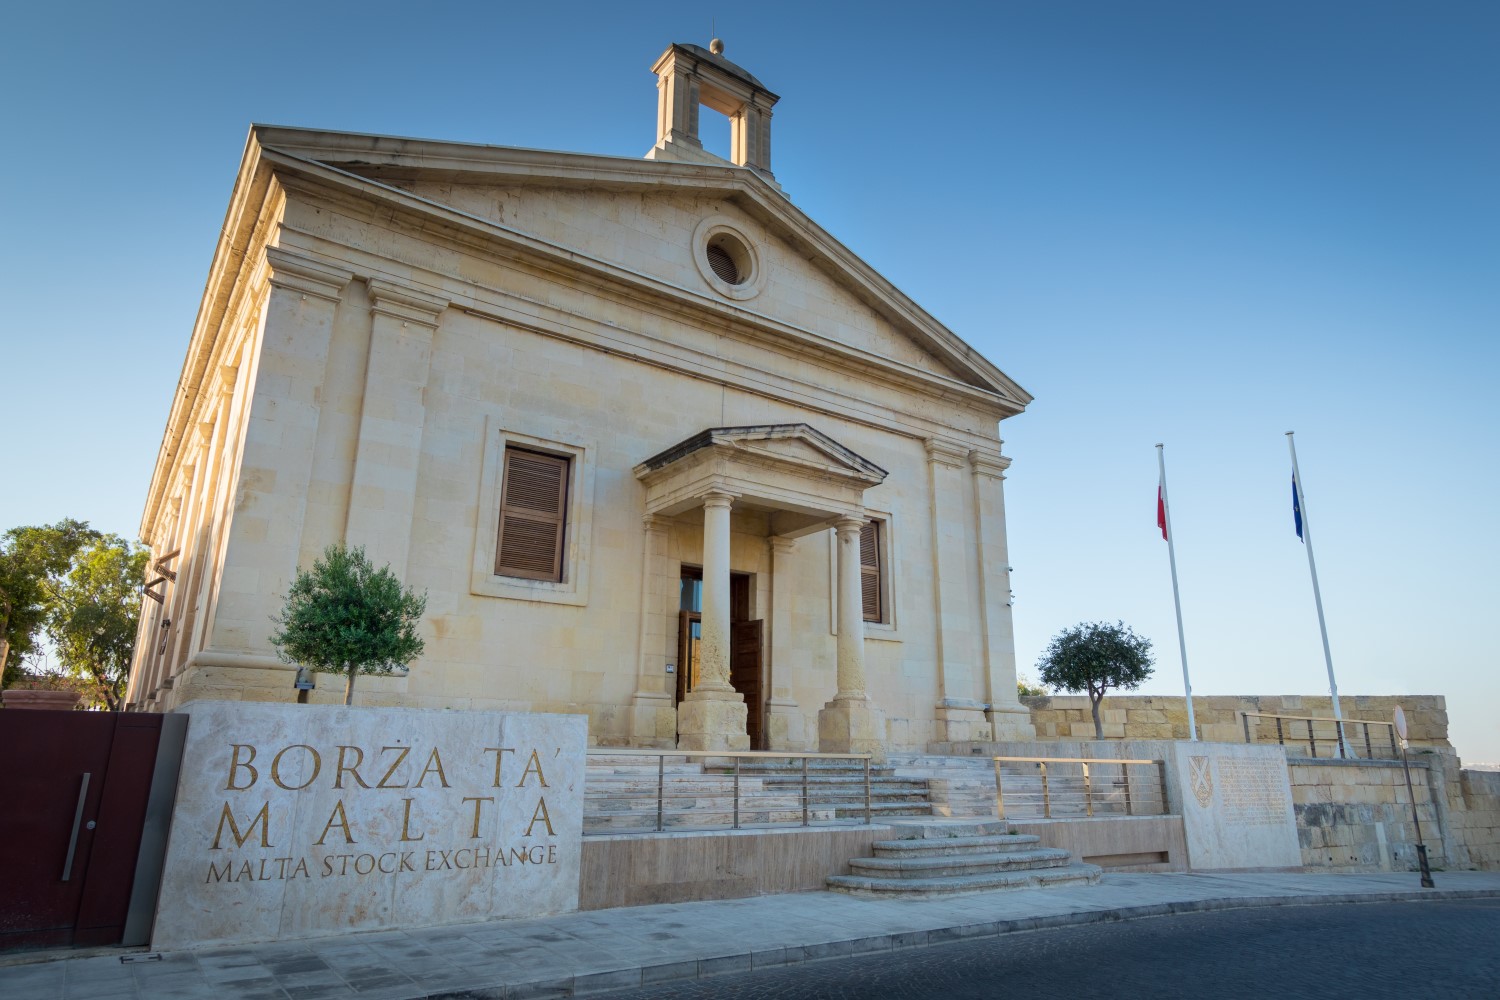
{"type": "Point", "coordinates": [601, 950]}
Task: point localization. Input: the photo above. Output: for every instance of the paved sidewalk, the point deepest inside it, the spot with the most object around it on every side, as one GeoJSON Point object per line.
{"type": "Point", "coordinates": [613, 949]}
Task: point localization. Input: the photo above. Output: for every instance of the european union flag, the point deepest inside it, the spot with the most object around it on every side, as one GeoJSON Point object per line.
{"type": "Point", "coordinates": [1296, 507]}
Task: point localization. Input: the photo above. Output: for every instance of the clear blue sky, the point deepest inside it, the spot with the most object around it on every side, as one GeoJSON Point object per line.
{"type": "Point", "coordinates": [1197, 223]}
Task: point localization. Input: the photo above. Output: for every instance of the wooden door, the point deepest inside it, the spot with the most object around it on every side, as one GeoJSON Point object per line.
{"type": "Point", "coordinates": [75, 788]}
{"type": "Point", "coordinates": [745, 675]}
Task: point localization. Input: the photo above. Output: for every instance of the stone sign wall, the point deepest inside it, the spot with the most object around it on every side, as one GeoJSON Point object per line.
{"type": "Point", "coordinates": [294, 821]}
{"type": "Point", "coordinates": [1236, 806]}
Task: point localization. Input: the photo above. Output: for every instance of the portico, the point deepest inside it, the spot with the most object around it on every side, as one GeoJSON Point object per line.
{"type": "Point", "coordinates": [802, 482]}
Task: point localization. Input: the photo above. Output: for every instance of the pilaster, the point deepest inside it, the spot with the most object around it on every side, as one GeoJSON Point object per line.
{"type": "Point", "coordinates": [961, 704]}
{"type": "Point", "coordinates": [653, 712]}
{"type": "Point", "coordinates": [1009, 719]}
{"type": "Point", "coordinates": [786, 727]}
{"type": "Point", "coordinates": [392, 415]}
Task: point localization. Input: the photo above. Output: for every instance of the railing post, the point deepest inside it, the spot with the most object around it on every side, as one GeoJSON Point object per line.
{"type": "Point", "coordinates": [1390, 729]}
{"type": "Point", "coordinates": [661, 778]}
{"type": "Point", "coordinates": [1312, 741]}
{"type": "Point", "coordinates": [1046, 795]}
{"type": "Point", "coordinates": [1338, 727]}
{"type": "Point", "coordinates": [867, 790]}
{"type": "Point", "coordinates": [1088, 791]}
{"type": "Point", "coordinates": [736, 793]}
{"type": "Point", "coordinates": [1369, 751]}
{"type": "Point", "coordinates": [999, 791]}
{"type": "Point", "coordinates": [1245, 718]}
{"type": "Point", "coordinates": [1161, 771]}
{"type": "Point", "coordinates": [1280, 736]}
{"type": "Point", "coordinates": [1125, 774]}
{"type": "Point", "coordinates": [805, 793]}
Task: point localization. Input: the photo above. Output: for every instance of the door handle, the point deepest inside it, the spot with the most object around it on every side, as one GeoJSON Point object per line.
{"type": "Point", "coordinates": [83, 794]}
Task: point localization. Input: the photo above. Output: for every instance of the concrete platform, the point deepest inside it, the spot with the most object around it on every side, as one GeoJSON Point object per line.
{"type": "Point", "coordinates": [591, 952]}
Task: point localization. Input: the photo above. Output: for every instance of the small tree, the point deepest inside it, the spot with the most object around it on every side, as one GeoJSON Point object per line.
{"type": "Point", "coordinates": [346, 617]}
{"type": "Point", "coordinates": [1094, 657]}
{"type": "Point", "coordinates": [1026, 689]}
{"type": "Point", "coordinates": [33, 560]}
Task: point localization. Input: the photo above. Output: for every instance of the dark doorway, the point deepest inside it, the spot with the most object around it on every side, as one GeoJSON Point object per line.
{"type": "Point", "coordinates": [745, 646]}
{"type": "Point", "coordinates": [76, 787]}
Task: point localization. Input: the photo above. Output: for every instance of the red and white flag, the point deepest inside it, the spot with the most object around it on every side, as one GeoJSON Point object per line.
{"type": "Point", "coordinates": [1161, 511]}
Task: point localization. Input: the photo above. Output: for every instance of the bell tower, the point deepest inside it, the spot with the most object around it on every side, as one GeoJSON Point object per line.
{"type": "Point", "coordinates": [688, 76]}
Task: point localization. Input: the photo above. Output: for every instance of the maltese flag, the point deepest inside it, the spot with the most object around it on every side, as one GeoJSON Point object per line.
{"type": "Point", "coordinates": [1161, 510]}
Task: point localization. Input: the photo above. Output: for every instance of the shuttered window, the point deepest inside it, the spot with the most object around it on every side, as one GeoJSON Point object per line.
{"type": "Point", "coordinates": [869, 571]}
{"type": "Point", "coordinates": [533, 515]}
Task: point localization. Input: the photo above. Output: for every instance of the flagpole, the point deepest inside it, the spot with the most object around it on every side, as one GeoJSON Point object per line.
{"type": "Point", "coordinates": [1187, 685]}
{"type": "Point", "coordinates": [1333, 687]}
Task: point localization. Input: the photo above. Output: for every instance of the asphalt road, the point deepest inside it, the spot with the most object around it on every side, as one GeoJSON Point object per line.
{"type": "Point", "coordinates": [1413, 951]}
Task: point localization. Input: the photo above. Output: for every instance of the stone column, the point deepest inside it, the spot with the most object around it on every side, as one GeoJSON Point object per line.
{"type": "Point", "coordinates": [392, 416]}
{"type": "Point", "coordinates": [850, 723]}
{"type": "Point", "coordinates": [851, 641]}
{"type": "Point", "coordinates": [1009, 719]}
{"type": "Point", "coordinates": [960, 708]}
{"type": "Point", "coordinates": [785, 725]}
{"type": "Point", "coordinates": [714, 714]}
{"type": "Point", "coordinates": [653, 714]}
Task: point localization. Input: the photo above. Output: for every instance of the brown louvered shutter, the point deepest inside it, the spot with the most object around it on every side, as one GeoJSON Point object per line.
{"type": "Point", "coordinates": [869, 570]}
{"type": "Point", "coordinates": [533, 510]}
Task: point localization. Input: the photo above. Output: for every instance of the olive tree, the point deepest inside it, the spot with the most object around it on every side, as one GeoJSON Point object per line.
{"type": "Point", "coordinates": [1094, 657]}
{"type": "Point", "coordinates": [346, 617]}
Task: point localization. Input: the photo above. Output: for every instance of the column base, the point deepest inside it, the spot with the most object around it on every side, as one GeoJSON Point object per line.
{"type": "Point", "coordinates": [852, 726]}
{"type": "Point", "coordinates": [786, 726]}
{"type": "Point", "coordinates": [653, 721]}
{"type": "Point", "coordinates": [961, 724]}
{"type": "Point", "coordinates": [1011, 723]}
{"type": "Point", "coordinates": [712, 721]}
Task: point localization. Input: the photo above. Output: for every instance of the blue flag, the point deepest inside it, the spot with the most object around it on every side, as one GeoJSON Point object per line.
{"type": "Point", "coordinates": [1296, 507]}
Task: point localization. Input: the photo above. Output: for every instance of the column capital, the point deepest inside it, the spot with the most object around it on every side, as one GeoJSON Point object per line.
{"type": "Point", "coordinates": [654, 523]}
{"type": "Point", "coordinates": [296, 273]}
{"type": "Point", "coordinates": [718, 498]}
{"type": "Point", "coordinates": [985, 464]}
{"type": "Point", "coordinates": [782, 544]}
{"type": "Point", "coordinates": [405, 303]}
{"type": "Point", "coordinates": [948, 453]}
{"type": "Point", "coordinates": [849, 524]}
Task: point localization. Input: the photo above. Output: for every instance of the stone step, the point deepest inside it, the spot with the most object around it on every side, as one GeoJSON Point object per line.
{"type": "Point", "coordinates": [919, 888]}
{"type": "Point", "coordinates": [953, 865]}
{"type": "Point", "coordinates": [878, 810]}
{"type": "Point", "coordinates": [942, 847]}
{"type": "Point", "coordinates": [947, 829]}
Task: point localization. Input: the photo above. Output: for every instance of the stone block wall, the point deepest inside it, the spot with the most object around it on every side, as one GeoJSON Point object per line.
{"type": "Point", "coordinates": [1477, 824]}
{"type": "Point", "coordinates": [1219, 717]}
{"type": "Point", "coordinates": [1356, 814]}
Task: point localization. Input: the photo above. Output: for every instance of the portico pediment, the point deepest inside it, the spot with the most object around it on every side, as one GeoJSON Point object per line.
{"type": "Point", "coordinates": [786, 468]}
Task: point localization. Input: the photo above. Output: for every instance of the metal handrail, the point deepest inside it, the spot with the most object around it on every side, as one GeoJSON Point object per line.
{"type": "Point", "coordinates": [773, 809]}
{"type": "Point", "coordinates": [1132, 796]}
{"type": "Point", "coordinates": [1340, 727]}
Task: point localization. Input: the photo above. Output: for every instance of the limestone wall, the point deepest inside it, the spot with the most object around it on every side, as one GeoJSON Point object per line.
{"type": "Point", "coordinates": [1356, 814]}
{"type": "Point", "coordinates": [1477, 824]}
{"type": "Point", "coordinates": [1161, 717]}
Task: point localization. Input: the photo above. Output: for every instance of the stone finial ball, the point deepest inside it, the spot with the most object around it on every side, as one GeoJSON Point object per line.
{"type": "Point", "coordinates": [716, 46]}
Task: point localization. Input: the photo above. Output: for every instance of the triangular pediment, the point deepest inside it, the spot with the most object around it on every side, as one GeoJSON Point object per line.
{"type": "Point", "coordinates": [796, 445]}
{"type": "Point", "coordinates": [817, 284]}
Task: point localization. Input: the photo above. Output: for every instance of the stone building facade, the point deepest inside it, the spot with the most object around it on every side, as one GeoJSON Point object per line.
{"type": "Point", "coordinates": [657, 447]}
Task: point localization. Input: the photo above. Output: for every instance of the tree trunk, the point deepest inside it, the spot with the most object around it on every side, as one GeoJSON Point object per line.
{"type": "Point", "coordinates": [349, 686]}
{"type": "Point", "coordinates": [1094, 701]}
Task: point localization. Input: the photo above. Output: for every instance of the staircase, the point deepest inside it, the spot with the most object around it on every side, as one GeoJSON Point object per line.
{"type": "Point", "coordinates": [941, 858]}
{"type": "Point", "coordinates": [620, 794]}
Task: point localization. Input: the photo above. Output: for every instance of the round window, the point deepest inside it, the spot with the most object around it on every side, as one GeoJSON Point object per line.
{"type": "Point", "coordinates": [728, 259]}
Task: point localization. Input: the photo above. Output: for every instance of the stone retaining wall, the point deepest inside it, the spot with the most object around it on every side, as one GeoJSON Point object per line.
{"type": "Point", "coordinates": [1164, 717]}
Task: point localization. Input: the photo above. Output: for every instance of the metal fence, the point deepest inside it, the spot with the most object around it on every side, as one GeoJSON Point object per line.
{"type": "Point", "coordinates": [636, 791]}
{"type": "Point", "coordinates": [1371, 740]}
{"type": "Point", "coordinates": [1079, 787]}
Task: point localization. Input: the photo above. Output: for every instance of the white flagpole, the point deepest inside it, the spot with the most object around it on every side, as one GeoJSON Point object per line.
{"type": "Point", "coordinates": [1333, 686]}
{"type": "Point", "coordinates": [1187, 685]}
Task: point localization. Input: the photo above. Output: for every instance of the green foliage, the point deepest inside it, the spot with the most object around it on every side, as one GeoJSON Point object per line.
{"type": "Point", "coordinates": [92, 616]}
{"type": "Point", "coordinates": [344, 616]}
{"type": "Point", "coordinates": [1025, 689]}
{"type": "Point", "coordinates": [1094, 657]}
{"type": "Point", "coordinates": [33, 561]}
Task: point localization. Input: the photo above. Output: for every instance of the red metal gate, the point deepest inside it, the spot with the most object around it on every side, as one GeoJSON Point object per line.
{"type": "Point", "coordinates": [75, 792]}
